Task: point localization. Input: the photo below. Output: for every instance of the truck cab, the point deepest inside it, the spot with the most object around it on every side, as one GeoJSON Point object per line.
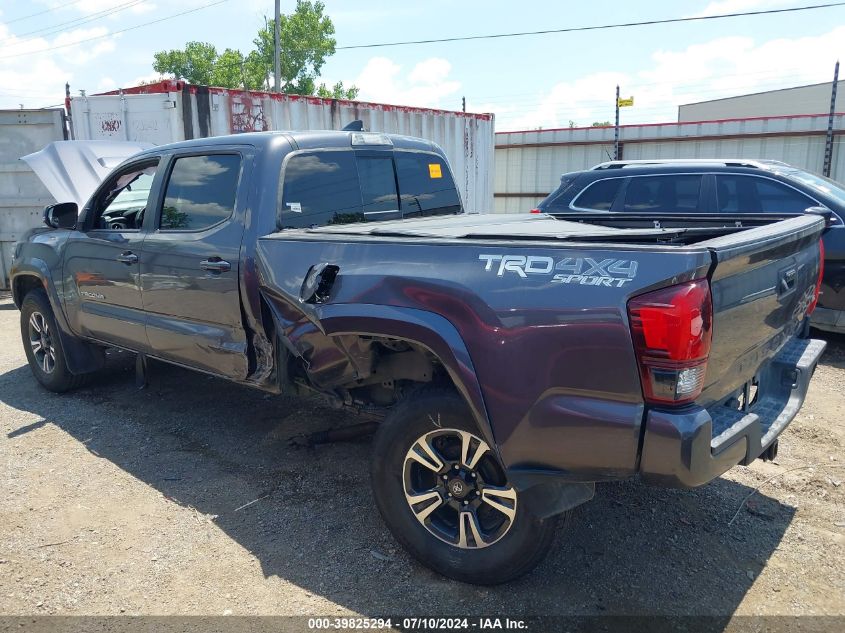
{"type": "Point", "coordinates": [155, 261]}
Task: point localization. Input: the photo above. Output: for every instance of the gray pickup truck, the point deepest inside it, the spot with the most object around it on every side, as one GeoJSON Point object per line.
{"type": "Point", "coordinates": [513, 360]}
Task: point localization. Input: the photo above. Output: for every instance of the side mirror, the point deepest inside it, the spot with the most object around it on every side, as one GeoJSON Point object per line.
{"type": "Point", "coordinates": [61, 216]}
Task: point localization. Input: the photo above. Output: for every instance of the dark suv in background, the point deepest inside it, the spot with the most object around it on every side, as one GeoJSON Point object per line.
{"type": "Point", "coordinates": [650, 189]}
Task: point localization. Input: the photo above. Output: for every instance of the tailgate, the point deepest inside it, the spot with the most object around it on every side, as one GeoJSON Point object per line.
{"type": "Point", "coordinates": [762, 283]}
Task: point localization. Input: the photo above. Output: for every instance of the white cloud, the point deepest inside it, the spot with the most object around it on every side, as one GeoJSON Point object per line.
{"type": "Point", "coordinates": [723, 67]}
{"type": "Point", "coordinates": [427, 85]}
{"type": "Point", "coordinates": [106, 84]}
{"type": "Point", "coordinates": [569, 101]}
{"type": "Point", "coordinates": [430, 72]}
{"type": "Point", "coordinates": [87, 51]}
{"type": "Point", "coordinates": [33, 70]}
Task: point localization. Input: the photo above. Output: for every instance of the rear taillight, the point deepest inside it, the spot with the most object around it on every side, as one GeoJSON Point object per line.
{"type": "Point", "coordinates": [672, 329]}
{"type": "Point", "coordinates": [535, 211]}
{"type": "Point", "coordinates": [818, 292]}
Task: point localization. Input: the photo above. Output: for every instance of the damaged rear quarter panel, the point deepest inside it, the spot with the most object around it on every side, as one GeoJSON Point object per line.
{"type": "Point", "coordinates": [550, 365]}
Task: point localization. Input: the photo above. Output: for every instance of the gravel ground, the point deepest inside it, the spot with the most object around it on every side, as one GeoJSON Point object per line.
{"type": "Point", "coordinates": [186, 498]}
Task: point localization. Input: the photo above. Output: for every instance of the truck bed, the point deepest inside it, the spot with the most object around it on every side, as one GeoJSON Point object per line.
{"type": "Point", "coordinates": [533, 310]}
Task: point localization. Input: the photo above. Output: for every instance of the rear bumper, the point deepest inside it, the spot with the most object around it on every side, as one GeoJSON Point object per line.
{"type": "Point", "coordinates": [828, 320]}
{"type": "Point", "coordinates": [688, 448]}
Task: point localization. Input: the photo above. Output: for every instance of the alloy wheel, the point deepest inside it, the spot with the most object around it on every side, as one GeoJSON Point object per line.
{"type": "Point", "coordinates": [457, 490]}
{"type": "Point", "coordinates": [41, 342]}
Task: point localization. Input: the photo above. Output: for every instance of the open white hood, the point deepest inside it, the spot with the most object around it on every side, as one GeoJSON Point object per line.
{"type": "Point", "coordinates": [72, 170]}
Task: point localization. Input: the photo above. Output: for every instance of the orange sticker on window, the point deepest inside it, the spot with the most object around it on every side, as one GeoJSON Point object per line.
{"type": "Point", "coordinates": [434, 170]}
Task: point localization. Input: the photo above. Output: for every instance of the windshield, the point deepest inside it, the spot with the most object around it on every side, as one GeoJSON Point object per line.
{"type": "Point", "coordinates": [131, 190]}
{"type": "Point", "coordinates": [821, 184]}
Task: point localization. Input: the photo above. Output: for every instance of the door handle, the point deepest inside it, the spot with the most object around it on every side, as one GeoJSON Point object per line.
{"type": "Point", "coordinates": [787, 281]}
{"type": "Point", "coordinates": [215, 265]}
{"type": "Point", "coordinates": [128, 258]}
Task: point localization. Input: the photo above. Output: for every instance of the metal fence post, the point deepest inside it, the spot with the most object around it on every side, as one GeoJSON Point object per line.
{"type": "Point", "coordinates": [828, 145]}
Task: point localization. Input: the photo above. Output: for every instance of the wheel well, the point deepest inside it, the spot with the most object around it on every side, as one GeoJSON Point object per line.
{"type": "Point", "coordinates": [379, 370]}
{"type": "Point", "coordinates": [23, 285]}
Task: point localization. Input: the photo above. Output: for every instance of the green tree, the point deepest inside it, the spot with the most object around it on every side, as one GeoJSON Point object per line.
{"type": "Point", "coordinates": [195, 64]}
{"type": "Point", "coordinates": [306, 42]}
{"type": "Point", "coordinates": [337, 91]}
{"type": "Point", "coordinates": [172, 218]}
{"type": "Point", "coordinates": [601, 124]}
{"type": "Point", "coordinates": [228, 70]}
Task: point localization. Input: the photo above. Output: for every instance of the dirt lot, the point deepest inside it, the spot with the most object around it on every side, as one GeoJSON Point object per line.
{"type": "Point", "coordinates": [124, 501]}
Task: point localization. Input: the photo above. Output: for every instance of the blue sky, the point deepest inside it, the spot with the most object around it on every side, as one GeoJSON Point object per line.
{"type": "Point", "coordinates": [528, 82]}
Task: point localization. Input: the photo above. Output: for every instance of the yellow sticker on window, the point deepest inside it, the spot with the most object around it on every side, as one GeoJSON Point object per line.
{"type": "Point", "coordinates": [434, 170]}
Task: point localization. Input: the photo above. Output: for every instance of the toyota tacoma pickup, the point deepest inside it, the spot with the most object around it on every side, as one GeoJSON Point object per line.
{"type": "Point", "coordinates": [513, 360]}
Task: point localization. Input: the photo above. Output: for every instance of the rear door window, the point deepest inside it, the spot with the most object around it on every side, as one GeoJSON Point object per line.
{"type": "Point", "coordinates": [750, 194]}
{"type": "Point", "coordinates": [663, 194]}
{"type": "Point", "coordinates": [600, 195]}
{"type": "Point", "coordinates": [200, 192]}
{"type": "Point", "coordinates": [320, 188]}
{"type": "Point", "coordinates": [426, 186]}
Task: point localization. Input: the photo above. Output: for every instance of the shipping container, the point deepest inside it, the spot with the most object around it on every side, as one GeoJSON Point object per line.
{"type": "Point", "coordinates": [22, 196]}
{"type": "Point", "coordinates": [170, 111]}
{"type": "Point", "coordinates": [529, 164]}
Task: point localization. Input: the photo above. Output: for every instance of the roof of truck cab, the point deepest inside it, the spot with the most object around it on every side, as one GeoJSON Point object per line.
{"type": "Point", "coordinates": [303, 139]}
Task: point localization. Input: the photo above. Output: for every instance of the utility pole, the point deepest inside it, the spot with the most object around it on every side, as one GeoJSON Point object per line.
{"type": "Point", "coordinates": [464, 104]}
{"type": "Point", "coordinates": [828, 145]}
{"type": "Point", "coordinates": [616, 129]}
{"type": "Point", "coordinates": [69, 127]}
{"type": "Point", "coordinates": [277, 51]}
{"type": "Point", "coordinates": [243, 75]}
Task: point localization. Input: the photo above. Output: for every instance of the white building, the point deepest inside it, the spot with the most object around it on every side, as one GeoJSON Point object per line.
{"type": "Point", "coordinates": [812, 99]}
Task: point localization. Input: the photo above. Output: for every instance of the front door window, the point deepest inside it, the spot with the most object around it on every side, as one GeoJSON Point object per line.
{"type": "Point", "coordinates": [120, 206]}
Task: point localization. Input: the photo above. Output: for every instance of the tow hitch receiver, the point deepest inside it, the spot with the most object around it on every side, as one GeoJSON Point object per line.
{"type": "Point", "coordinates": [771, 453]}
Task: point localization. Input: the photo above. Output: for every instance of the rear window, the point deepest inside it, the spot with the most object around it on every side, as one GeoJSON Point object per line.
{"type": "Point", "coordinates": [555, 202]}
{"type": "Point", "coordinates": [600, 195]}
{"type": "Point", "coordinates": [426, 186]}
{"type": "Point", "coordinates": [320, 188]}
{"type": "Point", "coordinates": [663, 194]}
{"type": "Point", "coordinates": [339, 187]}
{"type": "Point", "coordinates": [378, 186]}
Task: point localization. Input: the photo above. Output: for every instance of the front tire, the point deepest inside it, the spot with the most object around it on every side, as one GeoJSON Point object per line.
{"type": "Point", "coordinates": [43, 345]}
{"type": "Point", "coordinates": [444, 495]}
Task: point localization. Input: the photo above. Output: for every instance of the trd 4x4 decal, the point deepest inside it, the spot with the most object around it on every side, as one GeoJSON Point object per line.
{"type": "Point", "coordinates": [584, 271]}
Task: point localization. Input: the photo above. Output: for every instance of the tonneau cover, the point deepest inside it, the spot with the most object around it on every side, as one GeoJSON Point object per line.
{"type": "Point", "coordinates": [517, 225]}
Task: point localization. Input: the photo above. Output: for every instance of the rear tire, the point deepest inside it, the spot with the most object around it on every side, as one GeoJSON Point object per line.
{"type": "Point", "coordinates": [43, 345]}
{"type": "Point", "coordinates": [429, 447]}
